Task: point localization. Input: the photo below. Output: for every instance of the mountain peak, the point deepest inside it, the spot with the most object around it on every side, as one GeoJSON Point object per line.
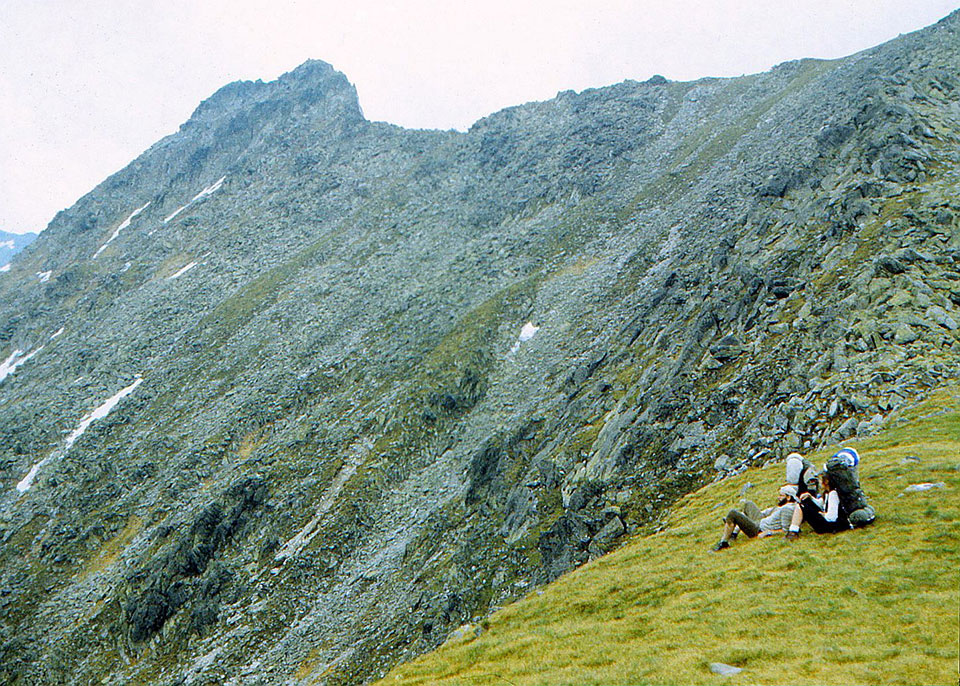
{"type": "Point", "coordinates": [313, 84]}
{"type": "Point", "coordinates": [312, 69]}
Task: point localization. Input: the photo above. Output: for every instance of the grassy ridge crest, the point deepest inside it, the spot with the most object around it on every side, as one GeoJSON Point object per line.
{"type": "Point", "coordinates": [875, 605]}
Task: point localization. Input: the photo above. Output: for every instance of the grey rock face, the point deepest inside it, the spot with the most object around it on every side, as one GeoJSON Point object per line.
{"type": "Point", "coordinates": [565, 545]}
{"type": "Point", "coordinates": [890, 265]}
{"type": "Point", "coordinates": [605, 538]}
{"type": "Point", "coordinates": [727, 348]}
{"type": "Point", "coordinates": [905, 334]}
{"type": "Point", "coordinates": [379, 381]}
{"type": "Point", "coordinates": [848, 429]}
{"type": "Point", "coordinates": [942, 317]}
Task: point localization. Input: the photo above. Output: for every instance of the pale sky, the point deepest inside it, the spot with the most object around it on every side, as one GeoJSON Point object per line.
{"type": "Point", "coordinates": [87, 85]}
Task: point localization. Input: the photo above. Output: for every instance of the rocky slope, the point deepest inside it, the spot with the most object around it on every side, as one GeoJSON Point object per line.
{"type": "Point", "coordinates": [302, 392]}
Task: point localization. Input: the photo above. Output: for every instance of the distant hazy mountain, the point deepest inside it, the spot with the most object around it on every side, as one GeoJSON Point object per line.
{"type": "Point", "coordinates": [12, 243]}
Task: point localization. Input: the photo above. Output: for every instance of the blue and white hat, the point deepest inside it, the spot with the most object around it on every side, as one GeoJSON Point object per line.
{"type": "Point", "coordinates": [850, 456]}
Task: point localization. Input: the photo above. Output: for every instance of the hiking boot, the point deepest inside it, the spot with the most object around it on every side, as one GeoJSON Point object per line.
{"type": "Point", "coordinates": [792, 535]}
{"type": "Point", "coordinates": [720, 546]}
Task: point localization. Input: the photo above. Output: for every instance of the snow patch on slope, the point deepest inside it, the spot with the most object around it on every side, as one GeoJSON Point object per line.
{"type": "Point", "coordinates": [9, 366]}
{"type": "Point", "coordinates": [27, 481]}
{"type": "Point", "coordinates": [526, 333]}
{"type": "Point", "coordinates": [176, 212]}
{"type": "Point", "coordinates": [182, 271]}
{"type": "Point", "coordinates": [209, 190]}
{"type": "Point", "coordinates": [206, 192]}
{"type": "Point", "coordinates": [125, 224]}
{"type": "Point", "coordinates": [99, 413]}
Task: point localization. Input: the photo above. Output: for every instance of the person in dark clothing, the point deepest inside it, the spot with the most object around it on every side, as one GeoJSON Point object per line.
{"type": "Point", "coordinates": [825, 515]}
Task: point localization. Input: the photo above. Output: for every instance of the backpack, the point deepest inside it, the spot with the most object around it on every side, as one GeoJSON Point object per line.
{"type": "Point", "coordinates": [843, 478]}
{"type": "Point", "coordinates": [801, 473]}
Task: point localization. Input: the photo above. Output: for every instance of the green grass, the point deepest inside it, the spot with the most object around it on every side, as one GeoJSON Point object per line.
{"type": "Point", "coordinates": [874, 605]}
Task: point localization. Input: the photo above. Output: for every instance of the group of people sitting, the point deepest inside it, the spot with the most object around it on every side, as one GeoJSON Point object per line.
{"type": "Point", "coordinates": [807, 496]}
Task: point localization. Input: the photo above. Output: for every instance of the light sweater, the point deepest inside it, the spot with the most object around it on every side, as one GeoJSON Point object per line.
{"type": "Point", "coordinates": [776, 518]}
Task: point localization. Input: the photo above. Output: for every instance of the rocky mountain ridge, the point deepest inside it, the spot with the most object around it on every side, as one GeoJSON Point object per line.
{"type": "Point", "coordinates": [301, 393]}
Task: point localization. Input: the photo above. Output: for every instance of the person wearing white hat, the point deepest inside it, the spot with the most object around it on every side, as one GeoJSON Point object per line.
{"type": "Point", "coordinates": [751, 521]}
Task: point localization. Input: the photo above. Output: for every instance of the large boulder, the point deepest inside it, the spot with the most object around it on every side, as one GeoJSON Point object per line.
{"type": "Point", "coordinates": [606, 537]}
{"type": "Point", "coordinates": [940, 316]}
{"type": "Point", "coordinates": [727, 348]}
{"type": "Point", "coordinates": [564, 545]}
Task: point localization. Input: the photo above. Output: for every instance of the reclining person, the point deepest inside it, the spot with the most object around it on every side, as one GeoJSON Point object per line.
{"type": "Point", "coordinates": [753, 522]}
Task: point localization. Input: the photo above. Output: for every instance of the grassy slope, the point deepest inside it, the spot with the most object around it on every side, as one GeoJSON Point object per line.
{"type": "Point", "coordinates": [875, 605]}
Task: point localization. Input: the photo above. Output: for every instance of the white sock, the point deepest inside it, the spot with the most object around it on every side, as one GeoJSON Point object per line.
{"type": "Point", "coordinates": [795, 529]}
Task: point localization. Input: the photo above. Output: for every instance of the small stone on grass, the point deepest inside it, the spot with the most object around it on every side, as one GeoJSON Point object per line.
{"type": "Point", "coordinates": [724, 670]}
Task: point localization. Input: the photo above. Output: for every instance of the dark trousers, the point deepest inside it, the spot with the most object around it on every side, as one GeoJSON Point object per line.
{"type": "Point", "coordinates": [814, 517]}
